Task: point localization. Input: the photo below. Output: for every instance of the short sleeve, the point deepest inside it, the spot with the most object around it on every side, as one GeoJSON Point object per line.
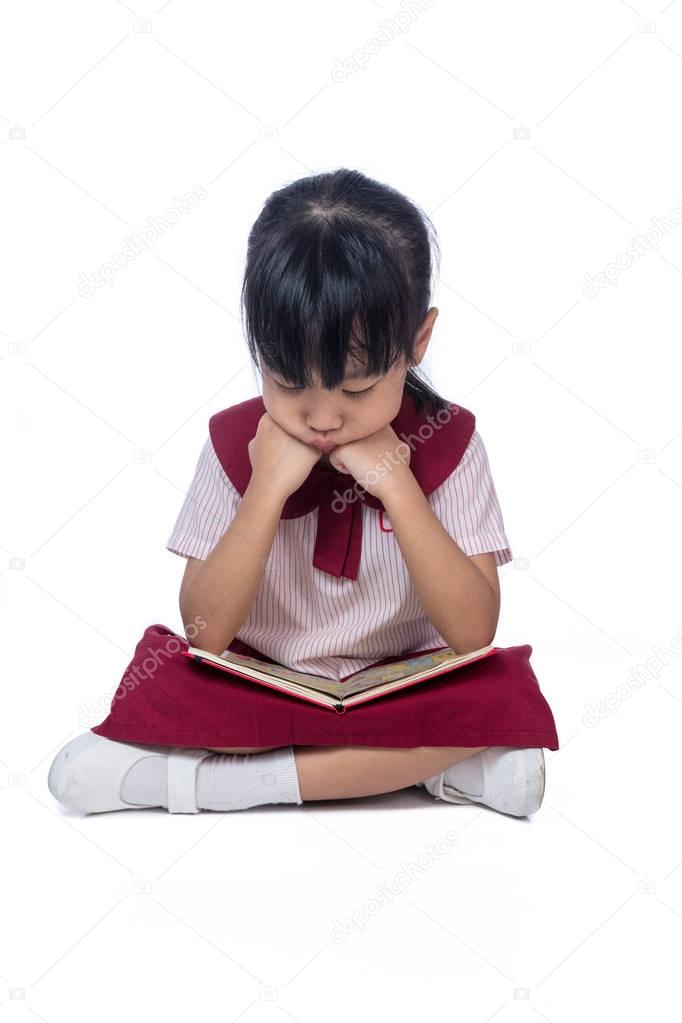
{"type": "Point", "coordinates": [466, 504]}
{"type": "Point", "coordinates": [208, 509]}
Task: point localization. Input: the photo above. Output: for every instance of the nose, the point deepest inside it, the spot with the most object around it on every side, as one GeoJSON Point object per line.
{"type": "Point", "coordinates": [323, 419]}
{"type": "Point", "coordinates": [322, 434]}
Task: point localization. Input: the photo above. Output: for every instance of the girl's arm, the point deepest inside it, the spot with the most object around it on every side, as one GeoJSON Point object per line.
{"type": "Point", "coordinates": [462, 604]}
{"type": "Point", "coordinates": [220, 591]}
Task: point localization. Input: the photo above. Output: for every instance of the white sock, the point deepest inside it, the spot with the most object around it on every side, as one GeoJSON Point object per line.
{"type": "Point", "coordinates": [225, 781]}
{"type": "Point", "coordinates": [234, 781]}
{"type": "Point", "coordinates": [466, 775]}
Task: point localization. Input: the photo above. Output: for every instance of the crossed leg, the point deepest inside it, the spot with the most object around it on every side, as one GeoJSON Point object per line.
{"type": "Point", "coordinates": [344, 772]}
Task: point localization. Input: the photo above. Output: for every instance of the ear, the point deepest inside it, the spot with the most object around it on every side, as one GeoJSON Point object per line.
{"type": "Point", "coordinates": [423, 336]}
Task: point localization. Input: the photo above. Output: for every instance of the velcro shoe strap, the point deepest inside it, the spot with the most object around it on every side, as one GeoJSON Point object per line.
{"type": "Point", "coordinates": [182, 778]}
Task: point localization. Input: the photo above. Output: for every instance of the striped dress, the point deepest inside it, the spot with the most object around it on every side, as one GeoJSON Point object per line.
{"type": "Point", "coordinates": [312, 621]}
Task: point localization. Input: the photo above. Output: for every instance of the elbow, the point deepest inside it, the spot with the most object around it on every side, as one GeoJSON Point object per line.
{"type": "Point", "coordinates": [475, 630]}
{"type": "Point", "coordinates": [485, 636]}
{"type": "Point", "coordinates": [474, 641]}
{"type": "Point", "coordinates": [197, 632]}
{"type": "Point", "coordinates": [483, 640]}
{"type": "Point", "coordinates": [462, 649]}
{"type": "Point", "coordinates": [215, 648]}
{"type": "Point", "coordinates": [211, 638]}
{"type": "Point", "coordinates": [211, 644]}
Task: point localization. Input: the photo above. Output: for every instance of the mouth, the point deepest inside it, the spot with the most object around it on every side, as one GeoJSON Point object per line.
{"type": "Point", "coordinates": [323, 445]}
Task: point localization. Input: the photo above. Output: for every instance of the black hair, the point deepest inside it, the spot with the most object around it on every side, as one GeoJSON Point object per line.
{"type": "Point", "coordinates": [338, 265]}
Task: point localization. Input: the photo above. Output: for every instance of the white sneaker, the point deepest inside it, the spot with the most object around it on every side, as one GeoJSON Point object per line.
{"type": "Point", "coordinates": [88, 772]}
{"type": "Point", "coordinates": [513, 781]}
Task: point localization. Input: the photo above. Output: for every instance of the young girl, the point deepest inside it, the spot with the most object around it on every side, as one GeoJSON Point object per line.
{"type": "Point", "coordinates": [345, 517]}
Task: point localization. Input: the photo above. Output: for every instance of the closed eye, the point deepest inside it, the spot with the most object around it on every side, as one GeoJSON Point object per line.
{"type": "Point", "coordinates": [351, 394]}
{"type": "Point", "coordinates": [356, 394]}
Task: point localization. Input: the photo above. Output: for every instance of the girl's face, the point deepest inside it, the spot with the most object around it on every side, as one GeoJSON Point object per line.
{"type": "Point", "coordinates": [360, 406]}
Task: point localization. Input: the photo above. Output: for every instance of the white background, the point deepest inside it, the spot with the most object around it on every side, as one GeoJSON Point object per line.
{"type": "Point", "coordinates": [542, 138]}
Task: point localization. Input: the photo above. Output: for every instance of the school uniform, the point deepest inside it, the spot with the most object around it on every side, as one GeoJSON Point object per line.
{"type": "Point", "coordinates": [334, 597]}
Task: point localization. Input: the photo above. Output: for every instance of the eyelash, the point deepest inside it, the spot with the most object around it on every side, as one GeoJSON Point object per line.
{"type": "Point", "coordinates": [351, 394]}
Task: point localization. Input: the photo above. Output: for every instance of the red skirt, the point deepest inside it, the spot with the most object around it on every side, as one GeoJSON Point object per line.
{"type": "Point", "coordinates": [166, 698]}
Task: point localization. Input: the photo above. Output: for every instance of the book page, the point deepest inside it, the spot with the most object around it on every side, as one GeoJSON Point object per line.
{"type": "Point", "coordinates": [279, 671]}
{"type": "Point", "coordinates": [371, 677]}
{"type": "Point", "coordinates": [360, 682]}
{"type": "Point", "coordinates": [366, 679]}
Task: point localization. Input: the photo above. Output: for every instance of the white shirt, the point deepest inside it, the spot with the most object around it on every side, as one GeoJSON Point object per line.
{"type": "Point", "coordinates": [312, 621]}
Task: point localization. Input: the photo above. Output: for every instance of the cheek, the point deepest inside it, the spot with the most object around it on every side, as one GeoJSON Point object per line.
{"type": "Point", "coordinates": [280, 410]}
{"type": "Point", "coordinates": [273, 403]}
{"type": "Point", "coordinates": [388, 408]}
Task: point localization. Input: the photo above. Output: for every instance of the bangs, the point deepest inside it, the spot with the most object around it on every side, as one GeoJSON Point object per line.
{"type": "Point", "coordinates": [325, 300]}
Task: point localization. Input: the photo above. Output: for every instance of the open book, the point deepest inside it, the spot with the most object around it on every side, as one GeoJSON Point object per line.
{"type": "Point", "coordinates": [384, 677]}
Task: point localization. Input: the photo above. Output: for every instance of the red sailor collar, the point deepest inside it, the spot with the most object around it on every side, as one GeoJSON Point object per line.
{"type": "Point", "coordinates": [437, 442]}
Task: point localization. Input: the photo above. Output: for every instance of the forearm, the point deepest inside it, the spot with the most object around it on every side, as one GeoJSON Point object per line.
{"type": "Point", "coordinates": [456, 596]}
{"type": "Point", "coordinates": [224, 588]}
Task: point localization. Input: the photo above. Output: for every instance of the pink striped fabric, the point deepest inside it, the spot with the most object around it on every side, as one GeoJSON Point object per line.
{"type": "Point", "coordinates": [310, 620]}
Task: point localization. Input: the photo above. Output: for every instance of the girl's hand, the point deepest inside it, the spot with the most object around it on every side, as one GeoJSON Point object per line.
{"type": "Point", "coordinates": [283, 462]}
{"type": "Point", "coordinates": [376, 462]}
